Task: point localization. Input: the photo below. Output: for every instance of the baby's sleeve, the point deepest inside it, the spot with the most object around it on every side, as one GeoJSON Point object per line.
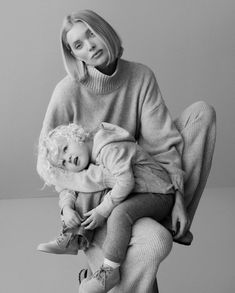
{"type": "Point", "coordinates": [67, 198]}
{"type": "Point", "coordinates": [118, 160]}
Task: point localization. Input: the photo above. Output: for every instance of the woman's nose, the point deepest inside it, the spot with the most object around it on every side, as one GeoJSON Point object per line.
{"type": "Point", "coordinates": [90, 45]}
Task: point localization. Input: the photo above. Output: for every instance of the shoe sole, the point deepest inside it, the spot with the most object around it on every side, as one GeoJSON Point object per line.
{"type": "Point", "coordinates": [54, 251]}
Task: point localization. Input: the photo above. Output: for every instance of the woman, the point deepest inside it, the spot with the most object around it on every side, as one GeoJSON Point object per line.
{"type": "Point", "coordinates": [100, 86]}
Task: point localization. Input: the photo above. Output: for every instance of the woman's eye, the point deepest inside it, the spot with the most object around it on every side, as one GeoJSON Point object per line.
{"type": "Point", "coordinates": [65, 149]}
{"type": "Point", "coordinates": [78, 45]}
{"type": "Point", "coordinates": [91, 34]}
{"type": "Point", "coordinates": [63, 163]}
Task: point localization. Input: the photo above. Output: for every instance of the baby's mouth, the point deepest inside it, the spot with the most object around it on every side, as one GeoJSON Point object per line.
{"type": "Point", "coordinates": [75, 161]}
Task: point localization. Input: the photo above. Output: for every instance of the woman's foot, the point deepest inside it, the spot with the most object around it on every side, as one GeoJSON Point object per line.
{"type": "Point", "coordinates": [101, 281]}
{"type": "Point", "coordinates": [185, 239]}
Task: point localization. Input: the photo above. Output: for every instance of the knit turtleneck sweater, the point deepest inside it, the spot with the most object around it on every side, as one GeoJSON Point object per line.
{"type": "Point", "coordinates": [102, 84]}
{"type": "Point", "coordinates": [130, 98]}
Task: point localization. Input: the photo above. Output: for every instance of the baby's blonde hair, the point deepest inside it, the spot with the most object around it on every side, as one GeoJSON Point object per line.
{"type": "Point", "coordinates": [48, 150]}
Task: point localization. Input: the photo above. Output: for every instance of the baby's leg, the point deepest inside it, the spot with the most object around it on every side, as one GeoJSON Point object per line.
{"type": "Point", "coordinates": [119, 232]}
{"type": "Point", "coordinates": [122, 218]}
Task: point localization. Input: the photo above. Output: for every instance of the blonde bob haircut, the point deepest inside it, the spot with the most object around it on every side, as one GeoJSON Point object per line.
{"type": "Point", "coordinates": [101, 28]}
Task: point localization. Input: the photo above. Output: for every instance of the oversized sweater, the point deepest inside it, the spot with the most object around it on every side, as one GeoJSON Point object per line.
{"type": "Point", "coordinates": [130, 98]}
{"type": "Point", "coordinates": [131, 168]}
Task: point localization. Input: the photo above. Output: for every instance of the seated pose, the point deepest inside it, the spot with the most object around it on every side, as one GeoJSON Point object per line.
{"type": "Point", "coordinates": [132, 171]}
{"type": "Point", "coordinates": [102, 86]}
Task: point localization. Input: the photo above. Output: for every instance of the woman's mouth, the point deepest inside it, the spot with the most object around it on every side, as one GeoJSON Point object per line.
{"type": "Point", "coordinates": [97, 54]}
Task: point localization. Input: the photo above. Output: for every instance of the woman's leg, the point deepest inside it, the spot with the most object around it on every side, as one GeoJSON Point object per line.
{"type": "Point", "coordinates": [150, 244]}
{"type": "Point", "coordinates": [123, 217]}
{"type": "Point", "coordinates": [197, 125]}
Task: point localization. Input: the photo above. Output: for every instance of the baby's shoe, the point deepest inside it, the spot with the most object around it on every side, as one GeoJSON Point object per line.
{"type": "Point", "coordinates": [101, 281]}
{"type": "Point", "coordinates": [65, 243]}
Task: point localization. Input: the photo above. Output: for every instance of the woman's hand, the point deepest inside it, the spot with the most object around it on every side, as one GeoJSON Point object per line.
{"type": "Point", "coordinates": [180, 219]}
{"type": "Point", "coordinates": [71, 218]}
{"type": "Point", "coordinates": [94, 220]}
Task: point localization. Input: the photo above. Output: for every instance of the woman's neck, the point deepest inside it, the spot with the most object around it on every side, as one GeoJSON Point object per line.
{"type": "Point", "coordinates": [108, 70]}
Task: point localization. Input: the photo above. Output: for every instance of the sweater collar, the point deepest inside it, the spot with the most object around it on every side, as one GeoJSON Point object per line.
{"type": "Point", "coordinates": [103, 84]}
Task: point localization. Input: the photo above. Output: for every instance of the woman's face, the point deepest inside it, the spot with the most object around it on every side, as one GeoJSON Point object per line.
{"type": "Point", "coordinates": [86, 46]}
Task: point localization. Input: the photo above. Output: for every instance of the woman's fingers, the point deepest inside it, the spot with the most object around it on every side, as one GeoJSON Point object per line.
{"type": "Point", "coordinates": [87, 221]}
{"type": "Point", "coordinates": [174, 225]}
{"type": "Point", "coordinates": [80, 219]}
{"type": "Point", "coordinates": [181, 228]}
{"type": "Point", "coordinates": [88, 214]}
{"type": "Point", "coordinates": [91, 226]}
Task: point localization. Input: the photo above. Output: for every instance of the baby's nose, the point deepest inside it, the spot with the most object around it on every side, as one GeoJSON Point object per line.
{"type": "Point", "coordinates": [70, 159]}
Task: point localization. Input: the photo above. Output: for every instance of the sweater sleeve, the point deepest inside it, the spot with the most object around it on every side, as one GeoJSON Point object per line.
{"type": "Point", "coordinates": [67, 198]}
{"type": "Point", "coordinates": [61, 110]}
{"type": "Point", "coordinates": [88, 180]}
{"type": "Point", "coordinates": [158, 134]}
{"type": "Point", "coordinates": [118, 161]}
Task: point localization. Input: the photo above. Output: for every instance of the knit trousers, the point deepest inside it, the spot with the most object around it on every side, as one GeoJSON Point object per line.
{"type": "Point", "coordinates": [150, 242]}
{"type": "Point", "coordinates": [122, 218]}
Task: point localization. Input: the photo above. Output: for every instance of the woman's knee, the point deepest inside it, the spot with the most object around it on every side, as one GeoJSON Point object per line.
{"type": "Point", "coordinates": [154, 241]}
{"type": "Point", "coordinates": [205, 112]}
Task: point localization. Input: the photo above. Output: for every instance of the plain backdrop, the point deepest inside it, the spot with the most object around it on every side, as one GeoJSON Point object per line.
{"type": "Point", "coordinates": [189, 44]}
{"type": "Point", "coordinates": [207, 266]}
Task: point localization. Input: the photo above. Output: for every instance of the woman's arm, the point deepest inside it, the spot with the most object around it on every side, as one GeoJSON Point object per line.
{"type": "Point", "coordinates": [60, 109]}
{"type": "Point", "coordinates": [92, 179]}
{"type": "Point", "coordinates": [180, 219]}
{"type": "Point", "coordinates": [158, 134]}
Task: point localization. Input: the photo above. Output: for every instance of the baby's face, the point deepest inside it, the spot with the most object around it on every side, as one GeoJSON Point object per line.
{"type": "Point", "coordinates": [72, 156]}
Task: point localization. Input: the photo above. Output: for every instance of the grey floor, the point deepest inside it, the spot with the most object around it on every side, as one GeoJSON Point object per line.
{"type": "Point", "coordinates": [208, 266]}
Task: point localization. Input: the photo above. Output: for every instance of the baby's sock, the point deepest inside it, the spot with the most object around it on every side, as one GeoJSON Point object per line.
{"type": "Point", "coordinates": [112, 264]}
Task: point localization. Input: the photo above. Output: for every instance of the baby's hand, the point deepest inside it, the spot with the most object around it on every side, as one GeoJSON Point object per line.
{"type": "Point", "coordinates": [71, 218]}
{"type": "Point", "coordinates": [94, 220]}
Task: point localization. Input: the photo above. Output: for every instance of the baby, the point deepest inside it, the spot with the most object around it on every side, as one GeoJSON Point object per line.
{"type": "Point", "coordinates": [140, 187]}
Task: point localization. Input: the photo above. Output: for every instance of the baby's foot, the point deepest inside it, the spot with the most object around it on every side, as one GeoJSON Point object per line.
{"type": "Point", "coordinates": [101, 281]}
{"type": "Point", "coordinates": [65, 243]}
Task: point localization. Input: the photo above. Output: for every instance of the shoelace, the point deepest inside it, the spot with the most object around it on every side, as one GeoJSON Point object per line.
{"type": "Point", "coordinates": [101, 274]}
{"type": "Point", "coordinates": [63, 236]}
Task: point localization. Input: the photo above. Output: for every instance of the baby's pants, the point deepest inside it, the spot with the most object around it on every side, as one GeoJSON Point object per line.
{"type": "Point", "coordinates": [120, 222]}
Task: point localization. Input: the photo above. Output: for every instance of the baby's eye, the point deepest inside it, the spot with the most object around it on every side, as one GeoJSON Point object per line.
{"type": "Point", "coordinates": [63, 163]}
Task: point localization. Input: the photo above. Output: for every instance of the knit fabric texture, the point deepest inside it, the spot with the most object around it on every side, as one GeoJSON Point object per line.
{"type": "Point", "coordinates": [131, 99]}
